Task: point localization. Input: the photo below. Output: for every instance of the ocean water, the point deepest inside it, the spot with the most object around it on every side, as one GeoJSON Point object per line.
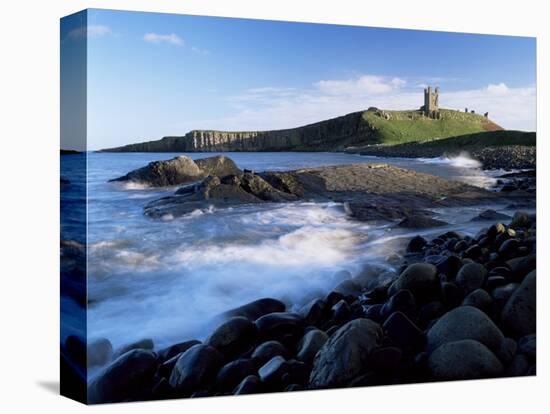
{"type": "Point", "coordinates": [169, 280]}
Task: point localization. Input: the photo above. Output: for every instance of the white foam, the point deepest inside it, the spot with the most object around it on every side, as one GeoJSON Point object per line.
{"type": "Point", "coordinates": [462, 160]}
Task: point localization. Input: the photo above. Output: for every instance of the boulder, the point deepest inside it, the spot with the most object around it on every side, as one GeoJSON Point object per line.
{"type": "Point", "coordinates": [344, 356]}
{"type": "Point", "coordinates": [176, 171]}
{"type": "Point", "coordinates": [465, 322]}
{"type": "Point", "coordinates": [257, 308]}
{"type": "Point", "coordinates": [99, 352]}
{"type": "Point", "coordinates": [196, 369]}
{"type": "Point", "coordinates": [219, 166]}
{"type": "Point", "coordinates": [141, 344]}
{"type": "Point", "coordinates": [249, 385]}
{"type": "Point", "coordinates": [463, 359]}
{"type": "Point", "coordinates": [235, 335]}
{"type": "Point", "coordinates": [128, 378]}
{"type": "Point", "coordinates": [403, 331]}
{"type": "Point", "coordinates": [231, 374]}
{"type": "Point", "coordinates": [490, 215]}
{"type": "Point", "coordinates": [420, 222]}
{"type": "Point", "coordinates": [527, 345]}
{"type": "Point", "coordinates": [268, 350]}
{"type": "Point", "coordinates": [310, 344]}
{"type": "Point", "coordinates": [420, 278]}
{"type": "Point", "coordinates": [169, 352]}
{"type": "Point", "coordinates": [519, 314]}
{"type": "Point", "coordinates": [273, 372]}
{"type": "Point", "coordinates": [278, 324]}
{"type": "Point", "coordinates": [480, 299]}
{"type": "Point", "coordinates": [416, 244]}
{"type": "Point", "coordinates": [471, 276]}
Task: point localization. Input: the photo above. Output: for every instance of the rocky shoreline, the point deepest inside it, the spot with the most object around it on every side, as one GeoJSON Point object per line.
{"type": "Point", "coordinates": [451, 307]}
{"type": "Point", "coordinates": [508, 157]}
{"type": "Point", "coordinates": [457, 307]}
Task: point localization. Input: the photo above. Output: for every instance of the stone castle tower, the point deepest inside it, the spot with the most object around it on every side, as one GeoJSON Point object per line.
{"type": "Point", "coordinates": [431, 102]}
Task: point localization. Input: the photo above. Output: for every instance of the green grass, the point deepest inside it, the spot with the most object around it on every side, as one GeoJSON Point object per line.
{"type": "Point", "coordinates": [410, 126]}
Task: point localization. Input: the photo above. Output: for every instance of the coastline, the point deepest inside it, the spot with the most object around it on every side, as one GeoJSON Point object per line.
{"type": "Point", "coordinates": [396, 322]}
{"type": "Point", "coordinates": [456, 308]}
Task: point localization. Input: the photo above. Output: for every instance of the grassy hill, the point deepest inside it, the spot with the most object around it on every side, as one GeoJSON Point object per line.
{"type": "Point", "coordinates": [395, 127]}
{"type": "Point", "coordinates": [355, 129]}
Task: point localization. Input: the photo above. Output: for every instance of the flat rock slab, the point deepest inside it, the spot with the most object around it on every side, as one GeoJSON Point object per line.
{"type": "Point", "coordinates": [356, 184]}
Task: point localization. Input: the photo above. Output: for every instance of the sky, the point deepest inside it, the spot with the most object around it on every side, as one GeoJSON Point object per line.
{"type": "Point", "coordinates": [151, 75]}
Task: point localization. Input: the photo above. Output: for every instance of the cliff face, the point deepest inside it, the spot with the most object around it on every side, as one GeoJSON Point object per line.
{"type": "Point", "coordinates": [358, 128]}
{"type": "Point", "coordinates": [329, 135]}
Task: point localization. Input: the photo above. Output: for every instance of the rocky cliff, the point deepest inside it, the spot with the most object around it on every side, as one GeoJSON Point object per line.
{"type": "Point", "coordinates": [358, 128]}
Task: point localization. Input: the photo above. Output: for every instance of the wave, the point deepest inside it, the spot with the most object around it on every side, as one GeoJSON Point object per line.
{"type": "Point", "coordinates": [462, 160]}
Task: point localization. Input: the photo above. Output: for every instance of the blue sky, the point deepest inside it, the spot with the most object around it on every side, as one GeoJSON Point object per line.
{"type": "Point", "coordinates": [151, 75]}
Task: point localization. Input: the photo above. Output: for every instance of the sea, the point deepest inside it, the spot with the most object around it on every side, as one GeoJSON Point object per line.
{"type": "Point", "coordinates": [170, 280]}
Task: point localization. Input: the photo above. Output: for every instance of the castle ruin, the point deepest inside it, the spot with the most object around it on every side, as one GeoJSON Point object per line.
{"type": "Point", "coordinates": [430, 108]}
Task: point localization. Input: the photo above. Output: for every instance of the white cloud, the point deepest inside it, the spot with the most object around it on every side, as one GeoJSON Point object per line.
{"type": "Point", "coordinates": [499, 89]}
{"type": "Point", "coordinates": [98, 30]}
{"type": "Point", "coordinates": [363, 85]}
{"type": "Point", "coordinates": [283, 107]}
{"type": "Point", "coordinates": [171, 38]}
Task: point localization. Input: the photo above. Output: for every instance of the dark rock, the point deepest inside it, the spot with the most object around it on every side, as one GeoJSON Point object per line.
{"type": "Point", "coordinates": [403, 331]}
{"type": "Point", "coordinates": [142, 344]}
{"type": "Point", "coordinates": [471, 276]}
{"type": "Point", "coordinates": [115, 384]}
{"type": "Point", "coordinates": [518, 367]}
{"type": "Point", "coordinates": [416, 244]}
{"type": "Point", "coordinates": [386, 359]}
{"type": "Point", "coordinates": [507, 351]}
{"type": "Point", "coordinates": [234, 336]}
{"type": "Point", "coordinates": [99, 352]}
{"type": "Point", "coordinates": [173, 350]}
{"type": "Point", "coordinates": [449, 266]}
{"type": "Point", "coordinates": [402, 301]}
{"type": "Point", "coordinates": [527, 345]}
{"type": "Point", "coordinates": [249, 385]}
{"type": "Point", "coordinates": [268, 350]}
{"type": "Point", "coordinates": [258, 308]}
{"type": "Point", "coordinates": [273, 372]}
{"type": "Point", "coordinates": [491, 215]}
{"type": "Point", "coordinates": [310, 345]}
{"type": "Point", "coordinates": [508, 249]}
{"type": "Point", "coordinates": [298, 371]}
{"type": "Point", "coordinates": [480, 299]}
{"type": "Point", "coordinates": [341, 311]}
{"type": "Point", "coordinates": [451, 294]}
{"type": "Point", "coordinates": [293, 387]}
{"type": "Point", "coordinates": [348, 288]}
{"type": "Point", "coordinates": [501, 294]}
{"type": "Point", "coordinates": [460, 246]}
{"type": "Point", "coordinates": [495, 281]}
{"type": "Point", "coordinates": [473, 252]}
{"type": "Point", "coordinates": [521, 220]}
{"type": "Point", "coordinates": [333, 298]}
{"type": "Point", "coordinates": [233, 373]}
{"type": "Point", "coordinates": [196, 369]}
{"type": "Point", "coordinates": [219, 166]}
{"type": "Point", "coordinates": [420, 222]}
{"type": "Point", "coordinates": [166, 367]}
{"type": "Point", "coordinates": [344, 356]}
{"type": "Point", "coordinates": [75, 348]}
{"type": "Point", "coordinates": [374, 312]}
{"type": "Point", "coordinates": [430, 311]}
{"type": "Point", "coordinates": [521, 266]}
{"type": "Point", "coordinates": [276, 325]}
{"type": "Point", "coordinates": [463, 359]}
{"type": "Point", "coordinates": [465, 322]}
{"type": "Point", "coordinates": [420, 278]}
{"type": "Point", "coordinates": [495, 230]}
{"type": "Point", "coordinates": [314, 311]}
{"type": "Point", "coordinates": [519, 314]}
